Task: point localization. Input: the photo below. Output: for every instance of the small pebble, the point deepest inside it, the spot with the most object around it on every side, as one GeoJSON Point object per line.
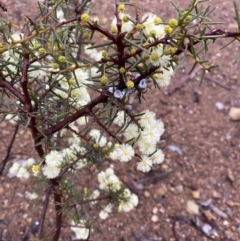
{"type": "Point", "coordinates": [192, 207]}
{"type": "Point", "coordinates": [216, 194]}
{"type": "Point", "coordinates": [147, 194]}
{"type": "Point", "coordinates": [229, 234]}
{"type": "Point", "coordinates": [230, 203]}
{"type": "Point", "coordinates": [225, 223]}
{"type": "Point", "coordinates": [207, 229]}
{"type": "Point", "coordinates": [234, 113]}
{"type": "Point", "coordinates": [161, 210]}
{"type": "Point", "coordinates": [155, 210]}
{"type": "Point", "coordinates": [165, 167]}
{"type": "Point", "coordinates": [209, 215]}
{"type": "Point", "coordinates": [179, 188]}
{"type": "Point", "coordinates": [196, 194]}
{"type": "Point", "coordinates": [154, 218]}
{"type": "Point", "coordinates": [230, 177]}
{"type": "Point", "coordinates": [219, 105]}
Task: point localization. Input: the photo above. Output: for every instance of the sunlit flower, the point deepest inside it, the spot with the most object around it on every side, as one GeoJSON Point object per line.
{"type": "Point", "coordinates": [157, 58]}
{"type": "Point", "coordinates": [63, 92]}
{"type": "Point", "coordinates": [108, 180]}
{"type": "Point", "coordinates": [54, 158]}
{"type": "Point", "coordinates": [114, 153]}
{"type": "Point", "coordinates": [146, 146]}
{"type": "Point", "coordinates": [36, 169]}
{"type": "Point", "coordinates": [145, 164]}
{"type": "Point", "coordinates": [147, 118]}
{"type": "Point", "coordinates": [68, 154]}
{"type": "Point", "coordinates": [80, 164]}
{"type": "Point", "coordinates": [81, 231]}
{"type": "Point", "coordinates": [95, 194]}
{"type": "Point", "coordinates": [23, 173]}
{"type": "Point", "coordinates": [14, 169]}
{"type": "Point", "coordinates": [102, 141]}
{"type": "Point", "coordinates": [29, 162]}
{"type": "Point", "coordinates": [36, 70]}
{"type": "Point", "coordinates": [131, 132]}
{"type": "Point", "coordinates": [150, 135]}
{"type": "Point", "coordinates": [152, 24]}
{"type": "Point", "coordinates": [158, 126]}
{"type": "Point", "coordinates": [80, 93]}
{"type": "Point", "coordinates": [93, 53]}
{"type": "Point", "coordinates": [125, 152]}
{"type": "Point", "coordinates": [60, 15]}
{"type": "Point", "coordinates": [15, 37]}
{"type": "Point", "coordinates": [31, 196]}
{"type": "Point", "coordinates": [163, 77]}
{"type": "Point", "coordinates": [120, 118]}
{"type": "Point", "coordinates": [51, 171]}
{"type": "Point", "coordinates": [129, 201]}
{"type": "Point", "coordinates": [157, 157]}
{"type": "Point", "coordinates": [94, 133]}
{"type": "Point", "coordinates": [105, 212]}
{"type": "Point", "coordinates": [81, 75]}
{"type": "Point", "coordinates": [127, 25]}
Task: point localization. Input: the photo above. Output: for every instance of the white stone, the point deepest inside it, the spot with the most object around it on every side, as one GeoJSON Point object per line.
{"type": "Point", "coordinates": [234, 113]}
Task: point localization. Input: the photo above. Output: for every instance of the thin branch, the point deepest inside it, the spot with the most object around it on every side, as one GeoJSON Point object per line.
{"type": "Point", "coordinates": [14, 91]}
{"type": "Point", "coordinates": [72, 164]}
{"type": "Point", "coordinates": [58, 210]}
{"type": "Point", "coordinates": [104, 127]}
{"type": "Point", "coordinates": [90, 200]}
{"type": "Point", "coordinates": [83, 111]}
{"type": "Point", "coordinates": [44, 211]}
{"type": "Point", "coordinates": [4, 162]}
{"type": "Point", "coordinates": [136, 10]}
{"type": "Point", "coordinates": [218, 83]}
{"type": "Point", "coordinates": [170, 90]}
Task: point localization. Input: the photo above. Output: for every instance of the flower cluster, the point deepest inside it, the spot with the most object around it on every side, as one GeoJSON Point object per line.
{"type": "Point", "coordinates": [53, 164]}
{"type": "Point", "coordinates": [109, 182]}
{"type": "Point", "coordinates": [21, 168]}
{"type": "Point", "coordinates": [55, 160]}
{"type": "Point", "coordinates": [81, 230]}
{"type": "Point", "coordinates": [145, 137]}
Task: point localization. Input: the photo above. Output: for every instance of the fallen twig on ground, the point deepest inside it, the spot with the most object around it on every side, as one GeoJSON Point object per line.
{"type": "Point", "coordinates": [217, 82]}
{"type": "Point", "coordinates": [182, 81]}
{"type": "Point", "coordinates": [156, 177]}
{"type": "Point", "coordinates": [186, 78]}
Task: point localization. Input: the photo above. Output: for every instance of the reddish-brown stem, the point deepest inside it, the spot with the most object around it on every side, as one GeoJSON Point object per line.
{"type": "Point", "coordinates": [77, 134]}
{"type": "Point", "coordinates": [96, 119]}
{"type": "Point", "coordinates": [136, 10]}
{"type": "Point", "coordinates": [72, 164]}
{"type": "Point", "coordinates": [44, 211]}
{"type": "Point", "coordinates": [90, 200]}
{"type": "Point", "coordinates": [119, 21]}
{"type": "Point", "coordinates": [58, 210]}
{"type": "Point", "coordinates": [14, 91]}
{"type": "Point", "coordinates": [102, 30]}
{"type": "Point", "coordinates": [84, 111]}
{"type": "Point", "coordinates": [28, 106]}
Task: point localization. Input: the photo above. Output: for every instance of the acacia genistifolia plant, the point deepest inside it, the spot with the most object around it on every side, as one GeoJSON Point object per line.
{"type": "Point", "coordinates": [68, 78]}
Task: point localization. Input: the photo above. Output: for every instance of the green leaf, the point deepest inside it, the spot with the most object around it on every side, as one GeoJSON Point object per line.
{"type": "Point", "coordinates": [237, 14]}
{"type": "Point", "coordinates": [134, 44]}
{"type": "Point", "coordinates": [202, 76]}
{"type": "Point", "coordinates": [100, 45]}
